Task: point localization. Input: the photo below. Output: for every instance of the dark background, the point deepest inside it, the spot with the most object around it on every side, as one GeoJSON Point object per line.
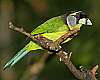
{"type": "Point", "coordinates": [31, 13]}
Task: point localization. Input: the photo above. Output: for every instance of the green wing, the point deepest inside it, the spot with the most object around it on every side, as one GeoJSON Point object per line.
{"type": "Point", "coordinates": [55, 24]}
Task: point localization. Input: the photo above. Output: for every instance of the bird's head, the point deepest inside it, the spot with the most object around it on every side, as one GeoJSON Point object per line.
{"type": "Point", "coordinates": [77, 19]}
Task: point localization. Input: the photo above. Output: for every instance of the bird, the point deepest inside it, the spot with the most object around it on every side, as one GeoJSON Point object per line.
{"type": "Point", "coordinates": [52, 29]}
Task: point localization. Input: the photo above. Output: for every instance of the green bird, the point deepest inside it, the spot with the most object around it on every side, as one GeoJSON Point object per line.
{"type": "Point", "coordinates": [52, 29]}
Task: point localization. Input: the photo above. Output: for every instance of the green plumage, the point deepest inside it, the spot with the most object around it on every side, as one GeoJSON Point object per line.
{"type": "Point", "coordinates": [55, 24]}
{"type": "Point", "coordinates": [51, 29]}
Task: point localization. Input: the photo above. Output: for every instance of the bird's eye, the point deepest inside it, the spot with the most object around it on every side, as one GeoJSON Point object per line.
{"type": "Point", "coordinates": [71, 20]}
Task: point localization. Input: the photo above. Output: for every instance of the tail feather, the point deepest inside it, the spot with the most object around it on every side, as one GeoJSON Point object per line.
{"type": "Point", "coordinates": [16, 58]}
{"type": "Point", "coordinates": [29, 47]}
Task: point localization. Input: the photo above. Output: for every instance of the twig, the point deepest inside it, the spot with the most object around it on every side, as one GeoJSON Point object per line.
{"type": "Point", "coordinates": [66, 59]}
{"type": "Point", "coordinates": [68, 34]}
{"type": "Point", "coordinates": [82, 74]}
{"type": "Point", "coordinates": [45, 43]}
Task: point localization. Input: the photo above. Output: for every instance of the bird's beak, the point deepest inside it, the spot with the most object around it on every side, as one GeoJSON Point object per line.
{"type": "Point", "coordinates": [85, 21]}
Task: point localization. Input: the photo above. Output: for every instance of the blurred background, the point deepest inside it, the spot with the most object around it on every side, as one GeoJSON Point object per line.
{"type": "Point", "coordinates": [31, 13]}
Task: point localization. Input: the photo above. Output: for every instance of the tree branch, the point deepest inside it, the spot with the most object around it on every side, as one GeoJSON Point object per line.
{"type": "Point", "coordinates": [44, 42]}
{"type": "Point", "coordinates": [82, 74]}
{"type": "Point", "coordinates": [66, 59]}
